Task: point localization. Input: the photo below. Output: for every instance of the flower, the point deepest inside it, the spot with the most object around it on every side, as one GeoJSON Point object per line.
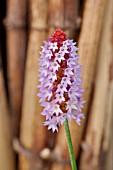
{"type": "Point", "coordinates": [53, 46]}
{"type": "Point", "coordinates": [60, 80]}
{"type": "Point", "coordinates": [59, 57]}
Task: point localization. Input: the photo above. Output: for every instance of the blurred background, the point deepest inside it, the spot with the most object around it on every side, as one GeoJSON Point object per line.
{"type": "Point", "coordinates": [25, 144]}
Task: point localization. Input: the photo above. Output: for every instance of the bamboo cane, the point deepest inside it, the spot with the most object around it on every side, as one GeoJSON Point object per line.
{"type": "Point", "coordinates": [71, 18]}
{"type": "Point", "coordinates": [64, 15]}
{"type": "Point", "coordinates": [6, 153]}
{"type": "Point", "coordinates": [33, 133]}
{"type": "Point", "coordinates": [56, 13]}
{"type": "Point", "coordinates": [109, 109]}
{"type": "Point", "coordinates": [109, 162]}
{"type": "Point", "coordinates": [95, 130]}
{"type": "Point", "coordinates": [16, 47]}
{"type": "Point", "coordinates": [108, 136]}
{"type": "Point", "coordinates": [88, 52]}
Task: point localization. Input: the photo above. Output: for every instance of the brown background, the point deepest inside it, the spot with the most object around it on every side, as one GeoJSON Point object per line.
{"type": "Point", "coordinates": [25, 144]}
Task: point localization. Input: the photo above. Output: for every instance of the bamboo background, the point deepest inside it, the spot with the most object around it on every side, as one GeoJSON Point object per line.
{"type": "Point", "coordinates": [25, 144]}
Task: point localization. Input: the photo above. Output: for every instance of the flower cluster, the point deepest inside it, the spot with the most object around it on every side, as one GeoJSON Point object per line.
{"type": "Point", "coordinates": [60, 80]}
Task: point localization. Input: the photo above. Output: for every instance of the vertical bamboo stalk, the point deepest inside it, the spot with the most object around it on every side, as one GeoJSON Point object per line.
{"type": "Point", "coordinates": [33, 133]}
{"type": "Point", "coordinates": [95, 130]}
{"type": "Point", "coordinates": [56, 13]}
{"type": "Point", "coordinates": [88, 52]}
{"type": "Point", "coordinates": [108, 121]}
{"type": "Point", "coordinates": [16, 47]}
{"type": "Point", "coordinates": [109, 164]}
{"type": "Point", "coordinates": [71, 17]}
{"type": "Point", "coordinates": [107, 145]}
{"type": "Point", "coordinates": [63, 14]}
{"type": "Point", "coordinates": [6, 153]}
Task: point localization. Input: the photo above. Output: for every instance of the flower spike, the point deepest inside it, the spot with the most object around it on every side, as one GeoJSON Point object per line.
{"type": "Point", "coordinates": [60, 81]}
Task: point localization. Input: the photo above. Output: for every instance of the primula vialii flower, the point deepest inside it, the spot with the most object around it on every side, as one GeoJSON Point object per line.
{"type": "Point", "coordinates": [60, 80]}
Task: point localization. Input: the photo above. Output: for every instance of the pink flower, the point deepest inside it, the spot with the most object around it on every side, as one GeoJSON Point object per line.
{"type": "Point", "coordinates": [60, 80]}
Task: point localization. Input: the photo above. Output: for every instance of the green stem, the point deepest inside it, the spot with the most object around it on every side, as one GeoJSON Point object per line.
{"type": "Point", "coordinates": [70, 146]}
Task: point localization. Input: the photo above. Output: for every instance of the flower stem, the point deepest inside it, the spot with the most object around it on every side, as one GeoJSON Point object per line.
{"type": "Point", "coordinates": [70, 146]}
